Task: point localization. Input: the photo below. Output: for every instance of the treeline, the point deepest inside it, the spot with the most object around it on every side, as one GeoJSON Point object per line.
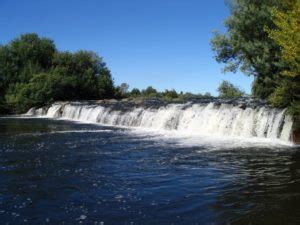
{"type": "Point", "coordinates": [225, 90]}
{"type": "Point", "coordinates": [34, 73]}
{"type": "Point", "coordinates": [263, 40]}
{"type": "Point", "coordinates": [151, 92]}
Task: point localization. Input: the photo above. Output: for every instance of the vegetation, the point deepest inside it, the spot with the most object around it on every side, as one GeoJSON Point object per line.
{"type": "Point", "coordinates": [286, 34]}
{"type": "Point", "coordinates": [151, 92]}
{"type": "Point", "coordinates": [246, 45]}
{"type": "Point", "coordinates": [34, 73]}
{"type": "Point", "coordinates": [262, 40]}
{"type": "Point", "coordinates": [228, 90]}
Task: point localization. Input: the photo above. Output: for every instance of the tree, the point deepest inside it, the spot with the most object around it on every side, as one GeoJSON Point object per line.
{"type": "Point", "coordinates": [246, 44]}
{"type": "Point", "coordinates": [20, 59]}
{"type": "Point", "coordinates": [34, 73]}
{"type": "Point", "coordinates": [150, 92]}
{"type": "Point", "coordinates": [106, 87]}
{"type": "Point", "coordinates": [23, 57]}
{"type": "Point", "coordinates": [170, 94]}
{"type": "Point", "coordinates": [286, 34]}
{"type": "Point", "coordinates": [135, 92]}
{"type": "Point", "coordinates": [37, 92]}
{"type": "Point", "coordinates": [124, 89]}
{"type": "Point", "coordinates": [207, 95]}
{"type": "Point", "coordinates": [284, 94]}
{"type": "Point", "coordinates": [228, 90]}
{"type": "Point", "coordinates": [83, 69]}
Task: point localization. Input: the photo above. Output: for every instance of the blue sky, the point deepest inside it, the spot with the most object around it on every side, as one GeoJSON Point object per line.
{"type": "Point", "coordinates": [163, 43]}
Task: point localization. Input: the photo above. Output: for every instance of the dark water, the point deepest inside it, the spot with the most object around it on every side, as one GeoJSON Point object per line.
{"type": "Point", "coordinates": [53, 172]}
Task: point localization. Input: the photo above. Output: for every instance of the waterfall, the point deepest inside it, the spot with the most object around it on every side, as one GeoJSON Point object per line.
{"type": "Point", "coordinates": [190, 118]}
{"type": "Point", "coordinates": [53, 111]}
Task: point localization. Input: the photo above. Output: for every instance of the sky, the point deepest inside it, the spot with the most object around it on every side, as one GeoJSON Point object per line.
{"type": "Point", "coordinates": [162, 43]}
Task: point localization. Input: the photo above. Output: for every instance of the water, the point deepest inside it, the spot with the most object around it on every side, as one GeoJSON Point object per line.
{"type": "Point", "coordinates": [214, 119]}
{"type": "Point", "coordinates": [62, 172]}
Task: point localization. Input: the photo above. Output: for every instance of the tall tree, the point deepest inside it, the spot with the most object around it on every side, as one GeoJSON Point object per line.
{"type": "Point", "coordinates": [246, 44]}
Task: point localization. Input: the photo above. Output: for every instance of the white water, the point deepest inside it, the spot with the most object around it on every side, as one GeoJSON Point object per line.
{"type": "Point", "coordinates": [53, 111]}
{"type": "Point", "coordinates": [210, 119]}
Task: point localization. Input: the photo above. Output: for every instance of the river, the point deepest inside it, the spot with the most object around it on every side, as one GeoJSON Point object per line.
{"type": "Point", "coordinates": [65, 172]}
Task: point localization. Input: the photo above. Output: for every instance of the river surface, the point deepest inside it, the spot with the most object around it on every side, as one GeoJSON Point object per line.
{"type": "Point", "coordinates": [62, 172]}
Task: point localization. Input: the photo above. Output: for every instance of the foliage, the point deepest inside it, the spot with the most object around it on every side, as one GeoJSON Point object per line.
{"type": "Point", "coordinates": [284, 94]}
{"type": "Point", "coordinates": [105, 84]}
{"type": "Point", "coordinates": [262, 40]}
{"type": "Point", "coordinates": [228, 90]}
{"type": "Point", "coordinates": [36, 92]}
{"type": "Point", "coordinates": [33, 73]}
{"type": "Point", "coordinates": [135, 92]}
{"type": "Point", "coordinates": [150, 92]}
{"type": "Point", "coordinates": [189, 95]}
{"type": "Point", "coordinates": [246, 44]}
{"type": "Point", "coordinates": [170, 94]}
{"type": "Point", "coordinates": [286, 34]}
{"type": "Point", "coordinates": [167, 95]}
{"type": "Point", "coordinates": [23, 57]}
{"type": "Point", "coordinates": [207, 95]}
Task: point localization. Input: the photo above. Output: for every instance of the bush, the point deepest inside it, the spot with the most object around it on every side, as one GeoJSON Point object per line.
{"type": "Point", "coordinates": [228, 90]}
{"type": "Point", "coordinates": [135, 92]}
{"type": "Point", "coordinates": [284, 94]}
{"type": "Point", "coordinates": [170, 94]}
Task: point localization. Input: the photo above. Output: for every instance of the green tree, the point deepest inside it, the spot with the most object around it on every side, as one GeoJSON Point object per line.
{"type": "Point", "coordinates": [106, 87]}
{"type": "Point", "coordinates": [246, 44]}
{"type": "Point", "coordinates": [284, 94]}
{"type": "Point", "coordinates": [170, 94]}
{"type": "Point", "coordinates": [150, 92]}
{"type": "Point", "coordinates": [25, 56]}
{"type": "Point", "coordinates": [21, 58]}
{"type": "Point", "coordinates": [34, 73]}
{"type": "Point", "coordinates": [135, 92]}
{"type": "Point", "coordinates": [37, 92]}
{"type": "Point", "coordinates": [228, 90]}
{"type": "Point", "coordinates": [82, 68]}
{"type": "Point", "coordinates": [286, 34]}
{"type": "Point", "coordinates": [207, 95]}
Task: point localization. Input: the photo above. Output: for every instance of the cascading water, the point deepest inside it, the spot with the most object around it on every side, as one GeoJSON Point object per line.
{"type": "Point", "coordinates": [195, 119]}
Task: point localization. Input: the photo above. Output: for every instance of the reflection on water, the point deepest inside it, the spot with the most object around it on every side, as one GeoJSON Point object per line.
{"type": "Point", "coordinates": [59, 172]}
